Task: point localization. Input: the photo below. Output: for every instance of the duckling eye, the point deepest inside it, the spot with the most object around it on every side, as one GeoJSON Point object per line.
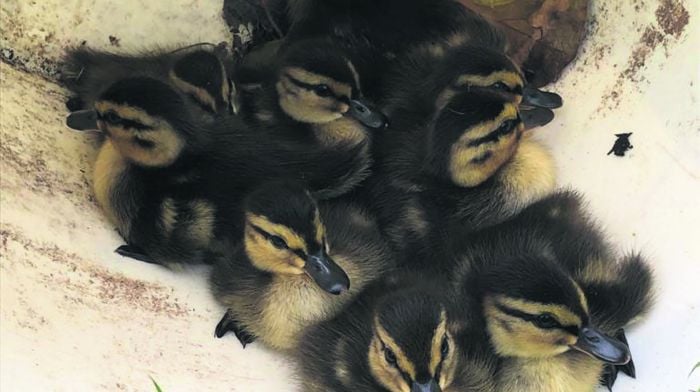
{"type": "Point", "coordinates": [322, 90]}
{"type": "Point", "coordinates": [278, 242]}
{"type": "Point", "coordinates": [444, 347]}
{"type": "Point", "coordinates": [390, 357]}
{"type": "Point", "coordinates": [500, 86]}
{"type": "Point", "coordinates": [506, 127]}
{"type": "Point", "coordinates": [546, 321]}
{"type": "Point", "coordinates": [111, 118]}
{"type": "Point", "coordinates": [147, 144]}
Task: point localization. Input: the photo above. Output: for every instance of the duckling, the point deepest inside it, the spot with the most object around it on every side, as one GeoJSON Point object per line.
{"type": "Point", "coordinates": [376, 31]}
{"type": "Point", "coordinates": [399, 335]}
{"type": "Point", "coordinates": [200, 71]}
{"type": "Point", "coordinates": [299, 263]}
{"type": "Point", "coordinates": [313, 101]}
{"type": "Point", "coordinates": [171, 184]}
{"type": "Point", "coordinates": [552, 296]}
{"type": "Point", "coordinates": [150, 176]}
{"type": "Point", "coordinates": [458, 153]}
{"type": "Point", "coordinates": [312, 84]}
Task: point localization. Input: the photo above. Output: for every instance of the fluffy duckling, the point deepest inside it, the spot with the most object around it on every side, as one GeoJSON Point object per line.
{"type": "Point", "coordinates": [376, 31]}
{"type": "Point", "coordinates": [313, 101]}
{"type": "Point", "coordinates": [398, 336]}
{"type": "Point", "coordinates": [457, 154]}
{"type": "Point", "coordinates": [553, 296]}
{"type": "Point", "coordinates": [151, 176]}
{"type": "Point", "coordinates": [312, 86]}
{"type": "Point", "coordinates": [172, 185]}
{"type": "Point", "coordinates": [199, 71]}
{"type": "Point", "coordinates": [299, 263]}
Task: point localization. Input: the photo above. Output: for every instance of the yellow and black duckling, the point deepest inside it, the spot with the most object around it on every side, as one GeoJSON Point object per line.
{"type": "Point", "coordinates": [200, 71]}
{"type": "Point", "coordinates": [172, 185]}
{"type": "Point", "coordinates": [314, 85]}
{"type": "Point", "coordinates": [374, 32]}
{"type": "Point", "coordinates": [155, 175]}
{"type": "Point", "coordinates": [299, 263]}
{"type": "Point", "coordinates": [456, 152]}
{"type": "Point", "coordinates": [554, 297]}
{"type": "Point", "coordinates": [313, 101]}
{"type": "Point", "coordinates": [399, 335]}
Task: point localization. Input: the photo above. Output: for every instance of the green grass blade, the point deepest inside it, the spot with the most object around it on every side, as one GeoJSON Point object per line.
{"type": "Point", "coordinates": [697, 365]}
{"type": "Point", "coordinates": [156, 385]}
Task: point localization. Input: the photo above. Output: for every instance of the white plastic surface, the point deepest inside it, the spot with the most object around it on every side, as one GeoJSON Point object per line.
{"type": "Point", "coordinates": [75, 316]}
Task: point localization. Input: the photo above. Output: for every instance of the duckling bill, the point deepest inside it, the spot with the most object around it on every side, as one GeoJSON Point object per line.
{"type": "Point", "coordinates": [554, 296]}
{"type": "Point", "coordinates": [399, 335]}
{"type": "Point", "coordinates": [299, 263]}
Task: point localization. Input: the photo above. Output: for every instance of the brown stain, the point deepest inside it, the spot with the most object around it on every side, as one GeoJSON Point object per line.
{"type": "Point", "coordinates": [83, 282]}
{"type": "Point", "coordinates": [672, 17]}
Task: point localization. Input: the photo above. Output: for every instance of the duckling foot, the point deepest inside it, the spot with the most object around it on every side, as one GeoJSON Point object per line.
{"type": "Point", "coordinates": [134, 253]}
{"type": "Point", "coordinates": [628, 368]}
{"type": "Point", "coordinates": [610, 372]}
{"type": "Point", "coordinates": [229, 323]}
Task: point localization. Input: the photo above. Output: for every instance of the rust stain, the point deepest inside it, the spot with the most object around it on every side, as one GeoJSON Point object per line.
{"type": "Point", "coordinates": [672, 17]}
{"type": "Point", "coordinates": [82, 281]}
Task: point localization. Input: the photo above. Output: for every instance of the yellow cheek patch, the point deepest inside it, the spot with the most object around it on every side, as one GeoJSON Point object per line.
{"type": "Point", "coordinates": [401, 359]}
{"type": "Point", "coordinates": [513, 336]}
{"type": "Point", "coordinates": [167, 143]}
{"type": "Point", "coordinates": [128, 112]}
{"type": "Point", "coordinates": [201, 95]}
{"type": "Point", "coordinates": [266, 257]}
{"type": "Point", "coordinates": [509, 78]}
{"type": "Point", "coordinates": [472, 165]}
{"type": "Point", "coordinates": [293, 240]}
{"type": "Point", "coordinates": [320, 228]}
{"type": "Point", "coordinates": [565, 316]}
{"type": "Point", "coordinates": [436, 346]}
{"type": "Point", "coordinates": [581, 296]}
{"type": "Point", "coordinates": [304, 76]}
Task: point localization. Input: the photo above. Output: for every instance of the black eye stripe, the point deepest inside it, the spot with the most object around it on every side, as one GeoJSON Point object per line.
{"type": "Point", "coordinates": [405, 375]}
{"type": "Point", "coordinates": [531, 318]}
{"type": "Point", "coordinates": [267, 236]}
{"type": "Point", "coordinates": [505, 128]}
{"type": "Point", "coordinates": [308, 86]}
{"type": "Point", "coordinates": [482, 158]}
{"type": "Point", "coordinates": [114, 119]}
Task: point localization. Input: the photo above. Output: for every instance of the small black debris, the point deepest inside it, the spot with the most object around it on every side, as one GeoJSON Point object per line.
{"type": "Point", "coordinates": [622, 144]}
{"type": "Point", "coordinates": [114, 41]}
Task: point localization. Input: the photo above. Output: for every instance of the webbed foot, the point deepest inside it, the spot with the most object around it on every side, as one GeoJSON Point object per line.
{"type": "Point", "coordinates": [610, 372]}
{"type": "Point", "coordinates": [134, 253]}
{"type": "Point", "coordinates": [229, 323]}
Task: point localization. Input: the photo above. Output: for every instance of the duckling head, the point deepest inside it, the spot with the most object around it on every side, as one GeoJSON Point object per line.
{"type": "Point", "coordinates": [484, 69]}
{"type": "Point", "coordinates": [201, 74]}
{"type": "Point", "coordinates": [534, 309]}
{"type": "Point", "coordinates": [412, 348]}
{"type": "Point", "coordinates": [146, 120]}
{"type": "Point", "coordinates": [284, 235]}
{"type": "Point", "coordinates": [317, 83]}
{"type": "Point", "coordinates": [472, 137]}
{"type": "Point", "coordinates": [479, 117]}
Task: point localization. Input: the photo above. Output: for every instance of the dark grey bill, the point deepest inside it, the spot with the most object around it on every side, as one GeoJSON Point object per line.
{"type": "Point", "coordinates": [430, 386]}
{"type": "Point", "coordinates": [83, 120]}
{"type": "Point", "coordinates": [364, 113]}
{"type": "Point", "coordinates": [539, 98]}
{"type": "Point", "coordinates": [535, 117]}
{"type": "Point", "coordinates": [326, 273]}
{"type": "Point", "coordinates": [601, 346]}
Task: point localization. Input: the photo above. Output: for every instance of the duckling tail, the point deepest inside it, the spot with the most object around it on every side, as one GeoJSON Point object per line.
{"type": "Point", "coordinates": [624, 299]}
